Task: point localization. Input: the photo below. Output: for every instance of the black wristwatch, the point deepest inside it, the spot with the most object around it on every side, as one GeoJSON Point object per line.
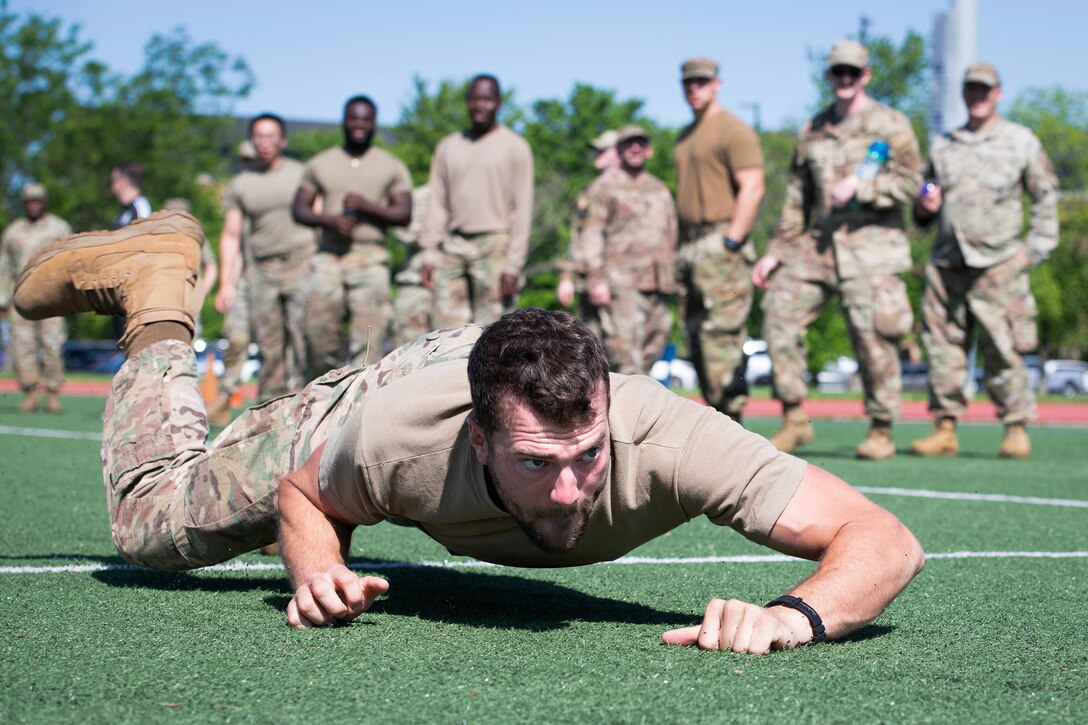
{"type": "Point", "coordinates": [818, 633]}
{"type": "Point", "coordinates": [734, 245]}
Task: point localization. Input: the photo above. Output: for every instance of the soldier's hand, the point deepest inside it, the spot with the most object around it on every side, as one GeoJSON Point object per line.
{"type": "Point", "coordinates": [932, 200]}
{"type": "Point", "coordinates": [762, 270]}
{"type": "Point", "coordinates": [730, 624]}
{"type": "Point", "coordinates": [508, 286]}
{"type": "Point", "coordinates": [224, 299]}
{"type": "Point", "coordinates": [844, 190]}
{"type": "Point", "coordinates": [426, 276]}
{"type": "Point", "coordinates": [564, 292]}
{"type": "Point", "coordinates": [599, 293]}
{"type": "Point", "coordinates": [333, 596]}
{"type": "Point", "coordinates": [344, 224]}
{"type": "Point", "coordinates": [354, 201]}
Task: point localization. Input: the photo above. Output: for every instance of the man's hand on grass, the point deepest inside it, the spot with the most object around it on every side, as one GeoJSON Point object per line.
{"type": "Point", "coordinates": [333, 596]}
{"type": "Point", "coordinates": [730, 624]}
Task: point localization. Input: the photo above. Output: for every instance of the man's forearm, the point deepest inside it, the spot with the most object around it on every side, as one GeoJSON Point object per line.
{"type": "Point", "coordinates": [745, 209]}
{"type": "Point", "coordinates": [310, 540]}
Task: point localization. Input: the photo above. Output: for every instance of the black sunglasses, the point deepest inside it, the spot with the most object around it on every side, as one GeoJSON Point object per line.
{"type": "Point", "coordinates": [841, 71]}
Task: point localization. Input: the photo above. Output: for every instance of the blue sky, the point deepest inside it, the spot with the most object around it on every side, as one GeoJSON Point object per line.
{"type": "Point", "coordinates": [309, 57]}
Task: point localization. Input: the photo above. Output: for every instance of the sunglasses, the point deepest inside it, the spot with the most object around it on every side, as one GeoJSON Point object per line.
{"type": "Point", "coordinates": [846, 71]}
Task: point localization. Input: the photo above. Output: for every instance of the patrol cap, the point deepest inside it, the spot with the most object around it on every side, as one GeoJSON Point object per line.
{"type": "Point", "coordinates": [699, 68]}
{"type": "Point", "coordinates": [605, 141]}
{"type": "Point", "coordinates": [629, 132]}
{"type": "Point", "coordinates": [983, 73]}
{"type": "Point", "coordinates": [177, 204]}
{"type": "Point", "coordinates": [246, 150]}
{"type": "Point", "coordinates": [848, 52]}
{"type": "Point", "coordinates": [34, 192]}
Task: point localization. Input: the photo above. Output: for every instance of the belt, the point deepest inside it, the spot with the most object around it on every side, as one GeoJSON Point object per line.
{"type": "Point", "coordinates": [691, 232]}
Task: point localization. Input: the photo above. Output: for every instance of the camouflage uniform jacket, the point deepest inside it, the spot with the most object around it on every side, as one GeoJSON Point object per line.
{"type": "Point", "coordinates": [983, 176]}
{"type": "Point", "coordinates": [18, 243]}
{"type": "Point", "coordinates": [629, 234]}
{"type": "Point", "coordinates": [867, 235]}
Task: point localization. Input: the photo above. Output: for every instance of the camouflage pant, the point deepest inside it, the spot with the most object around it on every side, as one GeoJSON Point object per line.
{"type": "Point", "coordinates": [715, 299]}
{"type": "Point", "coordinates": [351, 287]}
{"type": "Point", "coordinates": [411, 312]}
{"type": "Point", "coordinates": [877, 313]}
{"type": "Point", "coordinates": [466, 280]}
{"type": "Point", "coordinates": [177, 502]}
{"type": "Point", "coordinates": [279, 289]}
{"type": "Point", "coordinates": [36, 351]}
{"type": "Point", "coordinates": [237, 329]}
{"type": "Point", "coordinates": [998, 300]}
{"type": "Point", "coordinates": [634, 328]}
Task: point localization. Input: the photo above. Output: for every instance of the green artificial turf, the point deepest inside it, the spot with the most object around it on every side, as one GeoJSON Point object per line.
{"type": "Point", "coordinates": [997, 639]}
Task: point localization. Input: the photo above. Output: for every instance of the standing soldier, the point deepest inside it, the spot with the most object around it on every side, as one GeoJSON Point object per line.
{"type": "Point", "coordinates": [476, 239]}
{"type": "Point", "coordinates": [719, 184]}
{"type": "Point", "coordinates": [413, 304]}
{"type": "Point", "coordinates": [625, 255]}
{"type": "Point", "coordinates": [35, 346]}
{"type": "Point", "coordinates": [605, 157]}
{"type": "Point", "coordinates": [365, 190]}
{"type": "Point", "coordinates": [978, 274]}
{"type": "Point", "coordinates": [278, 261]}
{"type": "Point", "coordinates": [856, 167]}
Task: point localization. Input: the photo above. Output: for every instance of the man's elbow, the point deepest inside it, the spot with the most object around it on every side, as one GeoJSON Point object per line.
{"type": "Point", "coordinates": [907, 549]}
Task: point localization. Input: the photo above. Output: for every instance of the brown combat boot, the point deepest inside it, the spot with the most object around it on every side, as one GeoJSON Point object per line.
{"type": "Point", "coordinates": [878, 444]}
{"type": "Point", "coordinates": [146, 271]}
{"type": "Point", "coordinates": [941, 442]}
{"type": "Point", "coordinates": [30, 401]}
{"type": "Point", "coordinates": [52, 403]}
{"type": "Point", "coordinates": [1016, 443]}
{"type": "Point", "coordinates": [219, 411]}
{"type": "Point", "coordinates": [796, 429]}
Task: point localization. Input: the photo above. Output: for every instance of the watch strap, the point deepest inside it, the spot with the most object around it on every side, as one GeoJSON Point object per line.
{"type": "Point", "coordinates": [786, 600]}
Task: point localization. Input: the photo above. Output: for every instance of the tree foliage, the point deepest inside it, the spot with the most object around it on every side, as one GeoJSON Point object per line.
{"type": "Point", "coordinates": [1060, 119]}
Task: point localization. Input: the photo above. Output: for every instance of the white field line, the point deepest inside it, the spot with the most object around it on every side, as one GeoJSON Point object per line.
{"type": "Point", "coordinates": [447, 564]}
{"type": "Point", "coordinates": [10, 430]}
{"type": "Point", "coordinates": [959, 496]}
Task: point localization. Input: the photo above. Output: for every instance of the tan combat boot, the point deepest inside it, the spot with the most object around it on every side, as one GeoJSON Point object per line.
{"type": "Point", "coordinates": [146, 271]}
{"type": "Point", "coordinates": [30, 401]}
{"type": "Point", "coordinates": [1016, 443]}
{"type": "Point", "coordinates": [878, 444]}
{"type": "Point", "coordinates": [796, 429]}
{"type": "Point", "coordinates": [941, 442]}
{"type": "Point", "coordinates": [52, 403]}
{"type": "Point", "coordinates": [219, 411]}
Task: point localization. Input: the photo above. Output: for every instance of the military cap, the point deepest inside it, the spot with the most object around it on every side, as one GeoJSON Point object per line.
{"type": "Point", "coordinates": [848, 52]}
{"type": "Point", "coordinates": [629, 132]}
{"type": "Point", "coordinates": [246, 150]}
{"type": "Point", "coordinates": [983, 73]}
{"type": "Point", "coordinates": [699, 67]}
{"type": "Point", "coordinates": [605, 141]}
{"type": "Point", "coordinates": [34, 192]}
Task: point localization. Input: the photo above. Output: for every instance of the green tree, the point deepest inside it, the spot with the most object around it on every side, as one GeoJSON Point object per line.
{"type": "Point", "coordinates": [1060, 119]}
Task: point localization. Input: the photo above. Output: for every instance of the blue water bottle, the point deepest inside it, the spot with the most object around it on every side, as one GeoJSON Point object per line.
{"type": "Point", "coordinates": [874, 160]}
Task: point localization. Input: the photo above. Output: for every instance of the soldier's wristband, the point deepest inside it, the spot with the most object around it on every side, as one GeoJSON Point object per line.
{"type": "Point", "coordinates": [818, 633]}
{"type": "Point", "coordinates": [734, 245]}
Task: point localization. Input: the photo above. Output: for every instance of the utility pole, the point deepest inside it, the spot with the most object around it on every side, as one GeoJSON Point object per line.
{"type": "Point", "coordinates": [756, 109]}
{"type": "Point", "coordinates": [864, 22]}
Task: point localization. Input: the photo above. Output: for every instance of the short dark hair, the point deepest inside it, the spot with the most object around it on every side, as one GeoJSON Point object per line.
{"type": "Point", "coordinates": [267, 117]}
{"type": "Point", "coordinates": [549, 360]}
{"type": "Point", "coordinates": [131, 171]}
{"type": "Point", "coordinates": [483, 77]}
{"type": "Point", "coordinates": [361, 99]}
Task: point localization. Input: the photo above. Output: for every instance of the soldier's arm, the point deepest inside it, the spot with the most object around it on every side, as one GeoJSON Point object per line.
{"type": "Point", "coordinates": [230, 258]}
{"type": "Point", "coordinates": [1042, 186]}
{"type": "Point", "coordinates": [749, 193]}
{"type": "Point", "coordinates": [900, 178]}
{"type": "Point", "coordinates": [314, 541]}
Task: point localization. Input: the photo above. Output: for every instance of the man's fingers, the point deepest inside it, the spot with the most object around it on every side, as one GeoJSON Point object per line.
{"type": "Point", "coordinates": [685, 635]}
{"type": "Point", "coordinates": [710, 636]}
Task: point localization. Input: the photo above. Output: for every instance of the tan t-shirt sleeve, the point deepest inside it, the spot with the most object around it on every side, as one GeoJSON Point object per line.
{"type": "Point", "coordinates": [742, 151]}
{"type": "Point", "coordinates": [309, 179]}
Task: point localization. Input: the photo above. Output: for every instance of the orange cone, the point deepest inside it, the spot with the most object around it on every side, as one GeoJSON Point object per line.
{"type": "Point", "coordinates": [209, 386]}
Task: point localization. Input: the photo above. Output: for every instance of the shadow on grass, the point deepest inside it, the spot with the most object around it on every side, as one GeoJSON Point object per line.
{"type": "Point", "coordinates": [186, 581]}
{"type": "Point", "coordinates": [871, 631]}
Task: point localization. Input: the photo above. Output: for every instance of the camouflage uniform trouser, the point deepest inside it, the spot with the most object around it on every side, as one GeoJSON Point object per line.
{"type": "Point", "coordinates": [279, 289]}
{"type": "Point", "coordinates": [36, 348]}
{"type": "Point", "coordinates": [466, 280]}
{"type": "Point", "coordinates": [177, 502]}
{"type": "Point", "coordinates": [413, 304]}
{"type": "Point", "coordinates": [998, 299]}
{"type": "Point", "coordinates": [347, 286]}
{"type": "Point", "coordinates": [238, 331]}
{"type": "Point", "coordinates": [634, 328]}
{"type": "Point", "coordinates": [715, 299]}
{"type": "Point", "coordinates": [877, 313]}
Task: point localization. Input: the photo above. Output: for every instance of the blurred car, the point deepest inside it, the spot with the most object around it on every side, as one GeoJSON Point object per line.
{"type": "Point", "coordinates": [758, 371]}
{"type": "Point", "coordinates": [679, 373]}
{"type": "Point", "coordinates": [218, 347]}
{"type": "Point", "coordinates": [675, 373]}
{"type": "Point", "coordinates": [1066, 377]}
{"type": "Point", "coordinates": [93, 356]}
{"type": "Point", "coordinates": [839, 376]}
{"type": "Point", "coordinates": [915, 375]}
{"type": "Point", "coordinates": [978, 374]}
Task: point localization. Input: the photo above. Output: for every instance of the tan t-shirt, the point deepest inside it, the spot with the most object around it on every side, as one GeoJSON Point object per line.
{"type": "Point", "coordinates": [265, 199]}
{"type": "Point", "coordinates": [708, 153]}
{"type": "Point", "coordinates": [406, 453]}
{"type": "Point", "coordinates": [482, 185]}
{"type": "Point", "coordinates": [376, 175]}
